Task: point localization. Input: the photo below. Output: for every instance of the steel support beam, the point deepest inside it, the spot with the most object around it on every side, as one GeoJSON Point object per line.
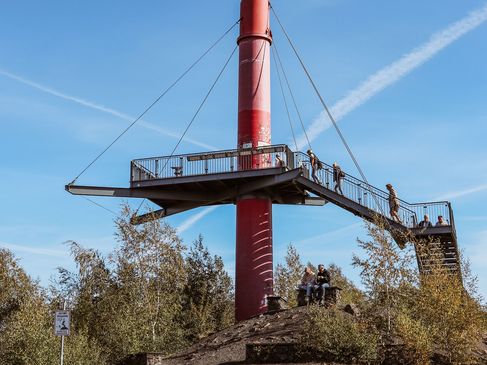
{"type": "Point", "coordinates": [229, 194]}
{"type": "Point", "coordinates": [138, 193]}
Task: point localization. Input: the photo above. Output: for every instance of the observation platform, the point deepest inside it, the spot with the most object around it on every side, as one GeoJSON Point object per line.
{"type": "Point", "coordinates": [184, 182]}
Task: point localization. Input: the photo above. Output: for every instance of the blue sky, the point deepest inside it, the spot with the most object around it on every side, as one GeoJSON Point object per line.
{"type": "Point", "coordinates": [72, 74]}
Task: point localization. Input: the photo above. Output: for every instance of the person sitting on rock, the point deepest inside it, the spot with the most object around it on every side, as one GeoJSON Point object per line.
{"type": "Point", "coordinates": [322, 281]}
{"type": "Point", "coordinates": [307, 283]}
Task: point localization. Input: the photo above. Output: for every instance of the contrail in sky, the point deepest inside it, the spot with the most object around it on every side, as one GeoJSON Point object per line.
{"type": "Point", "coordinates": [101, 108]}
{"type": "Point", "coordinates": [460, 193]}
{"type": "Point", "coordinates": [89, 104]}
{"type": "Point", "coordinates": [394, 72]}
{"type": "Point", "coordinates": [33, 250]}
{"type": "Point", "coordinates": [193, 219]}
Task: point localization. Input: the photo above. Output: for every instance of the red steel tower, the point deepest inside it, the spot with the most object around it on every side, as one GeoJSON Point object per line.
{"type": "Point", "coordinates": [254, 271]}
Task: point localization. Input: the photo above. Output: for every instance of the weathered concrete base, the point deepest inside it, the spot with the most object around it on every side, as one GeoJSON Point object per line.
{"type": "Point", "coordinates": [143, 359]}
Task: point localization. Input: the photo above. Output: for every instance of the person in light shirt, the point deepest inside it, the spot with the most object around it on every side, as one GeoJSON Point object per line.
{"type": "Point", "coordinates": [441, 222]}
{"type": "Point", "coordinates": [307, 282]}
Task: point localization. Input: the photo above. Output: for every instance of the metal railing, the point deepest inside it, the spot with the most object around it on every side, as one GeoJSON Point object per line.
{"type": "Point", "coordinates": [280, 156]}
{"type": "Point", "coordinates": [358, 191]}
{"type": "Point", "coordinates": [211, 163]}
{"type": "Point", "coordinates": [434, 210]}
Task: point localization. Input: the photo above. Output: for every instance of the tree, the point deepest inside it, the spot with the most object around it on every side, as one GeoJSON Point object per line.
{"type": "Point", "coordinates": [130, 301]}
{"type": "Point", "coordinates": [26, 328]}
{"type": "Point", "coordinates": [288, 276]}
{"type": "Point", "coordinates": [149, 275]}
{"type": "Point", "coordinates": [432, 313]}
{"type": "Point", "coordinates": [350, 293]}
{"type": "Point", "coordinates": [15, 287]}
{"type": "Point", "coordinates": [207, 295]}
{"type": "Point", "coordinates": [84, 290]}
{"type": "Point", "coordinates": [387, 274]}
{"type": "Point", "coordinates": [446, 314]}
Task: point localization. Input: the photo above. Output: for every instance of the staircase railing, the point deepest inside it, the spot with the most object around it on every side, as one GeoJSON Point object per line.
{"type": "Point", "coordinates": [358, 191]}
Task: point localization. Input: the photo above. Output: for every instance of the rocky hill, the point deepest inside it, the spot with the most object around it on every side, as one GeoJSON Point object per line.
{"type": "Point", "coordinates": [267, 339]}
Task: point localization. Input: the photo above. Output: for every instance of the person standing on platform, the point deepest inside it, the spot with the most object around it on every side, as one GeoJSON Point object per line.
{"type": "Point", "coordinates": [338, 176]}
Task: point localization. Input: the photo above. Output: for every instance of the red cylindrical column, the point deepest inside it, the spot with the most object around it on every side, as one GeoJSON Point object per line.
{"type": "Point", "coordinates": [254, 271]}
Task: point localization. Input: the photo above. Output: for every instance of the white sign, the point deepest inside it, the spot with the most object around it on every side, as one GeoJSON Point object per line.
{"type": "Point", "coordinates": [62, 323]}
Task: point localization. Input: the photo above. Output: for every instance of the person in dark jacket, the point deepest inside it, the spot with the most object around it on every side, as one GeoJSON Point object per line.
{"type": "Point", "coordinates": [338, 176]}
{"type": "Point", "coordinates": [425, 223]}
{"type": "Point", "coordinates": [322, 282]}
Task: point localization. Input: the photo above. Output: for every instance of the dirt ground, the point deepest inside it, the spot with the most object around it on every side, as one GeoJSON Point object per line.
{"type": "Point", "coordinates": [229, 346]}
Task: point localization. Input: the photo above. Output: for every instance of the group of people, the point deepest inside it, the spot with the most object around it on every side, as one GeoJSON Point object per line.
{"type": "Point", "coordinates": [394, 209]}
{"type": "Point", "coordinates": [316, 165]}
{"type": "Point", "coordinates": [315, 284]}
{"type": "Point", "coordinates": [426, 223]}
{"type": "Point", "coordinates": [393, 200]}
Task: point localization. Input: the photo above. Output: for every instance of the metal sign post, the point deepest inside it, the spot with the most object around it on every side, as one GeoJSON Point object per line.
{"type": "Point", "coordinates": [62, 326]}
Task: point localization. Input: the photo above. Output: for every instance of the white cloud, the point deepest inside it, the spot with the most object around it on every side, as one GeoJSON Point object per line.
{"type": "Point", "coordinates": [102, 108]}
{"type": "Point", "coordinates": [394, 72]}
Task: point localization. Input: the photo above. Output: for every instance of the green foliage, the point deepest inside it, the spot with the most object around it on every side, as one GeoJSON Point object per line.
{"type": "Point", "coordinates": [350, 293]}
{"type": "Point", "coordinates": [207, 294]}
{"type": "Point", "coordinates": [339, 334]}
{"type": "Point", "coordinates": [443, 316]}
{"type": "Point", "coordinates": [15, 287]}
{"type": "Point", "coordinates": [26, 329]}
{"type": "Point", "coordinates": [387, 275]}
{"type": "Point", "coordinates": [288, 276]}
{"type": "Point", "coordinates": [433, 313]}
{"type": "Point", "coordinates": [79, 349]}
{"type": "Point", "coordinates": [145, 296]}
{"type": "Point", "coordinates": [28, 337]}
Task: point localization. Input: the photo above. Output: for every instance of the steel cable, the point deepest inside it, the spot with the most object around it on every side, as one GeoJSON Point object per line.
{"type": "Point", "coordinates": [291, 92]}
{"type": "Point", "coordinates": [330, 116]}
{"type": "Point", "coordinates": [156, 100]}
{"type": "Point", "coordinates": [285, 101]}
{"type": "Point", "coordinates": [195, 115]}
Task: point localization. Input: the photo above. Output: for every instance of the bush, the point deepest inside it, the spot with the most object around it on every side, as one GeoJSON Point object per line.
{"type": "Point", "coordinates": [340, 335]}
{"type": "Point", "coordinates": [418, 340]}
{"type": "Point", "coordinates": [446, 317]}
